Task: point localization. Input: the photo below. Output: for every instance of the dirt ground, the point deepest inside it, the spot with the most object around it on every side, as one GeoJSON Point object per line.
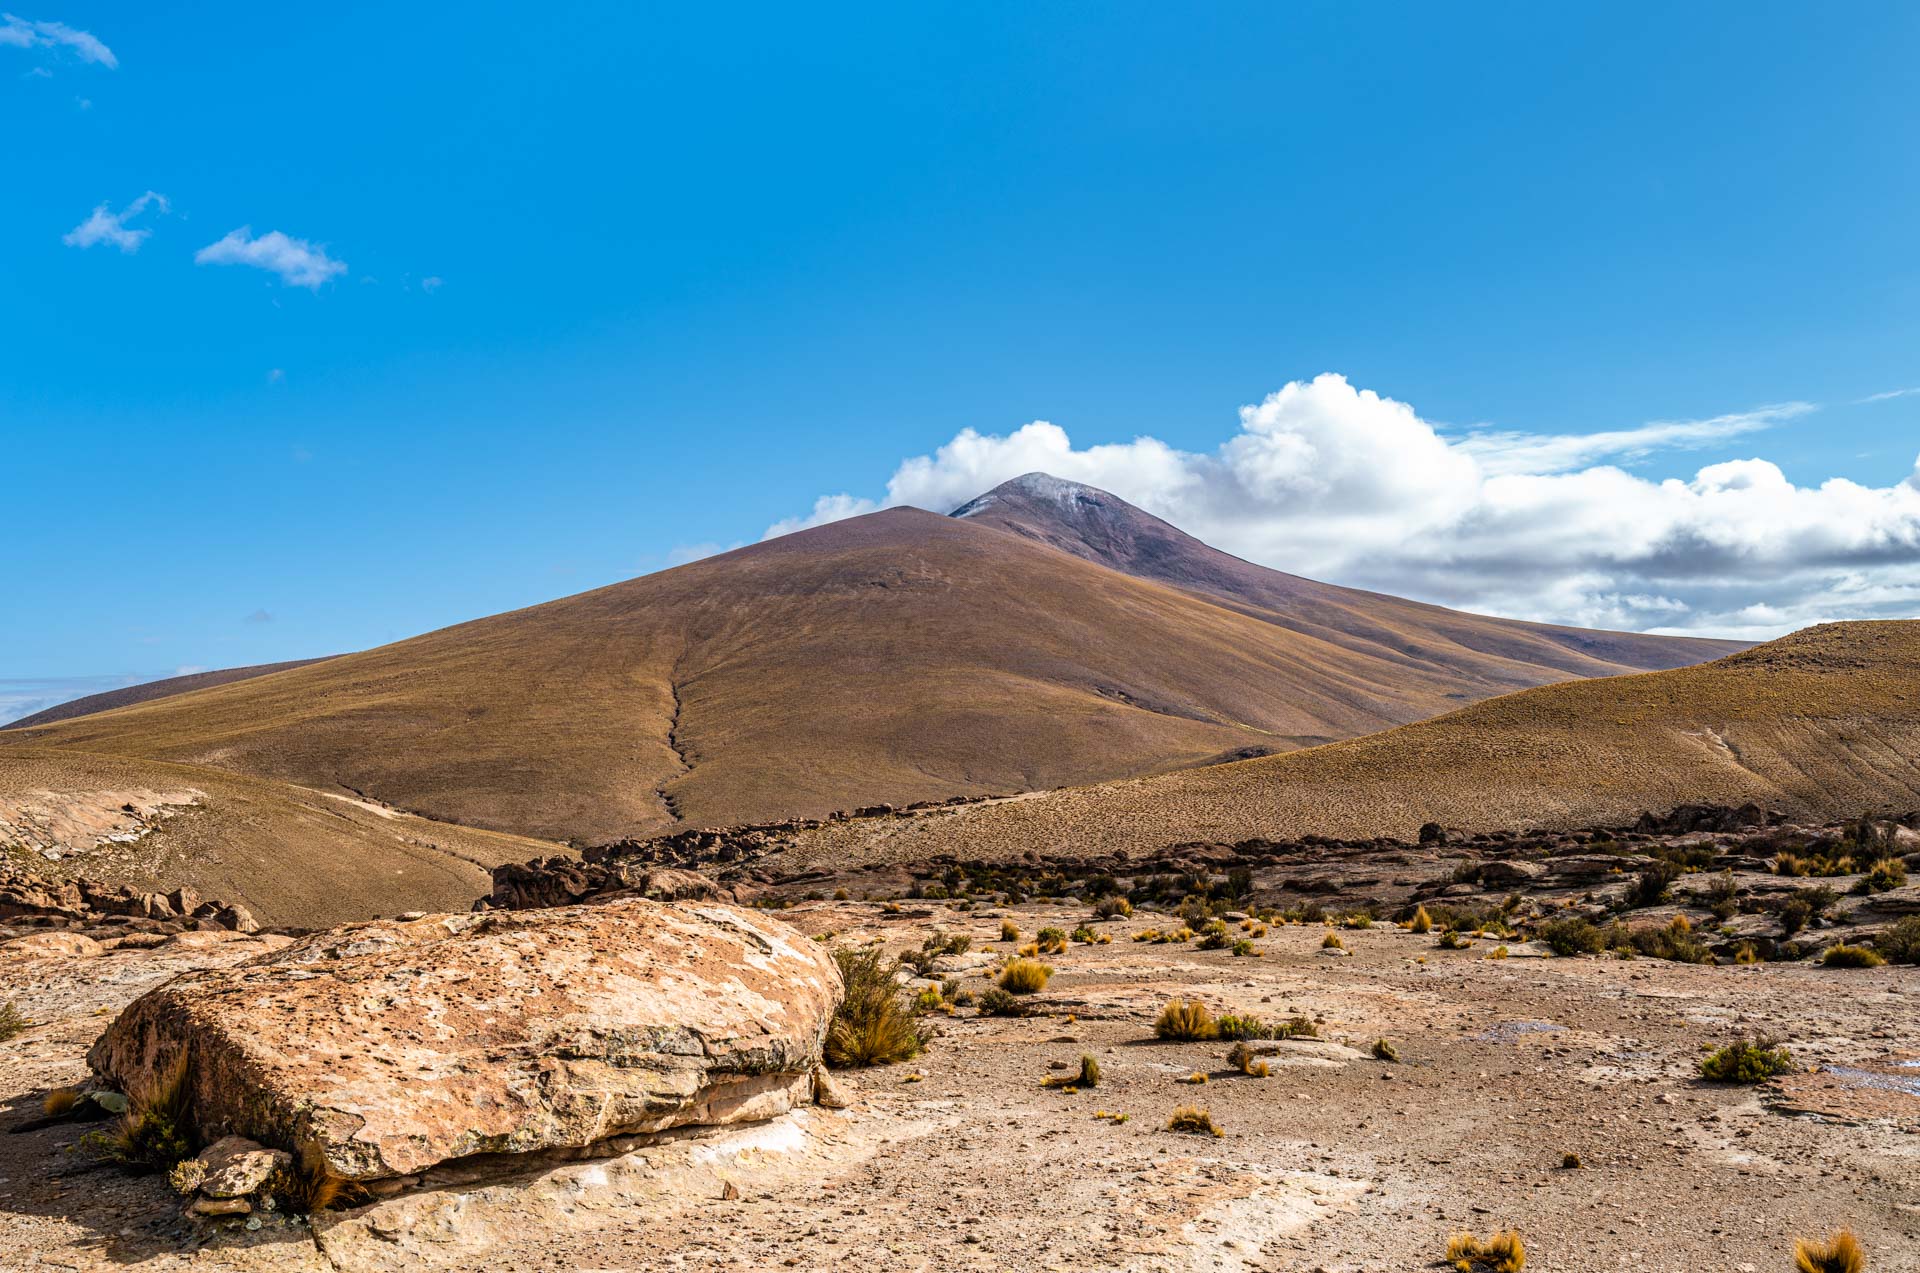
{"type": "Point", "coordinates": [961, 1160]}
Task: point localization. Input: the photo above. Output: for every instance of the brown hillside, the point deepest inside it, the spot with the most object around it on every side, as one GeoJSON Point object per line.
{"type": "Point", "coordinates": [890, 658]}
{"type": "Point", "coordinates": [291, 855]}
{"type": "Point", "coordinates": [1825, 721]}
{"type": "Point", "coordinates": [147, 691]}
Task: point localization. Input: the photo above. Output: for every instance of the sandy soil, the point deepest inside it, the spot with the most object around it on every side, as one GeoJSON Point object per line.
{"type": "Point", "coordinates": [961, 1160]}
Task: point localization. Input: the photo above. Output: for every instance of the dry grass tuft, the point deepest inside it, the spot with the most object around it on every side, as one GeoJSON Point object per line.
{"type": "Point", "coordinates": [1185, 1020]}
{"type": "Point", "coordinates": [1089, 1075]}
{"type": "Point", "coordinates": [1421, 921]}
{"type": "Point", "coordinates": [157, 1130]}
{"type": "Point", "coordinates": [1191, 1118]}
{"type": "Point", "coordinates": [1024, 976]}
{"type": "Point", "coordinates": [1502, 1253]}
{"type": "Point", "coordinates": [1845, 956]}
{"type": "Point", "coordinates": [871, 1026]}
{"type": "Point", "coordinates": [60, 1102]}
{"type": "Point", "coordinates": [1840, 1253]}
{"type": "Point", "coordinates": [1009, 931]}
{"type": "Point", "coordinates": [1385, 1051]}
{"type": "Point", "coordinates": [1332, 942]}
{"type": "Point", "coordinates": [1748, 1061]}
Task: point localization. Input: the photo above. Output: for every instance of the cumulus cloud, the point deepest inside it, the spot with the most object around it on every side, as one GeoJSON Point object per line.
{"type": "Point", "coordinates": [1339, 483]}
{"type": "Point", "coordinates": [103, 226]}
{"type": "Point", "coordinates": [297, 262]}
{"type": "Point", "coordinates": [23, 34]}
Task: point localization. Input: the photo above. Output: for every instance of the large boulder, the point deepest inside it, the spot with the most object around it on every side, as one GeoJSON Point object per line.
{"type": "Point", "coordinates": [383, 1048]}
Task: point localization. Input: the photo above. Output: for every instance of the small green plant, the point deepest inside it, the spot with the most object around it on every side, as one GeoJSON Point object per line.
{"type": "Point", "coordinates": [1243, 949]}
{"type": "Point", "coordinates": [871, 1026]}
{"type": "Point", "coordinates": [996, 1002]}
{"type": "Point", "coordinates": [1083, 935]}
{"type": "Point", "coordinates": [11, 1022]}
{"type": "Point", "coordinates": [1214, 936]}
{"type": "Point", "coordinates": [1840, 1253]}
{"type": "Point", "coordinates": [1024, 976]}
{"type": "Point", "coordinates": [1299, 1027]}
{"type": "Point", "coordinates": [1887, 873]}
{"type": "Point", "coordinates": [1229, 1026]}
{"type": "Point", "coordinates": [1193, 1119]}
{"type": "Point", "coordinates": [1383, 1050]}
{"type": "Point", "coordinates": [1452, 940]}
{"type": "Point", "coordinates": [1572, 936]}
{"type": "Point", "coordinates": [1051, 941]}
{"type": "Point", "coordinates": [1184, 1021]}
{"type": "Point", "coordinates": [1089, 1075]}
{"type": "Point", "coordinates": [1901, 941]}
{"type": "Point", "coordinates": [1845, 956]}
{"type": "Point", "coordinates": [1748, 1061]}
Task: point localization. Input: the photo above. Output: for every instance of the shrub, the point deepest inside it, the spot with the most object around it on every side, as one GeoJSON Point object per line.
{"type": "Point", "coordinates": [1901, 942]}
{"type": "Point", "coordinates": [1215, 936]}
{"type": "Point", "coordinates": [871, 1026]}
{"type": "Point", "coordinates": [1332, 942]}
{"type": "Point", "coordinates": [1840, 1253]}
{"type": "Point", "coordinates": [1748, 1061]}
{"type": "Point", "coordinates": [1675, 942]}
{"type": "Point", "coordinates": [1185, 1020]}
{"type": "Point", "coordinates": [1240, 1057]}
{"type": "Point", "coordinates": [1024, 976]}
{"type": "Point", "coordinates": [1009, 931]}
{"type": "Point", "coordinates": [1794, 916]}
{"type": "Point", "coordinates": [1451, 940]}
{"type": "Point", "coordinates": [1650, 887]}
{"type": "Point", "coordinates": [1503, 1252]}
{"type": "Point", "coordinates": [1082, 934]}
{"type": "Point", "coordinates": [1113, 908]}
{"type": "Point", "coordinates": [157, 1130]}
{"type": "Point", "coordinates": [11, 1022]}
{"type": "Point", "coordinates": [1570, 1161]}
{"type": "Point", "coordinates": [1229, 1026]}
{"type": "Point", "coordinates": [998, 1003]}
{"type": "Point", "coordinates": [1191, 1118]}
{"type": "Point", "coordinates": [1421, 921]}
{"type": "Point", "coordinates": [1886, 873]}
{"type": "Point", "coordinates": [1299, 1028]}
{"type": "Point", "coordinates": [1243, 948]}
{"type": "Point", "coordinates": [1051, 941]}
{"type": "Point", "coordinates": [1845, 956]}
{"type": "Point", "coordinates": [1746, 953]}
{"type": "Point", "coordinates": [1385, 1051]}
{"type": "Point", "coordinates": [1089, 1075]}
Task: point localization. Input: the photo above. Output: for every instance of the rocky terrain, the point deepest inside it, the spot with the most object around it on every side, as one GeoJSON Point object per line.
{"type": "Point", "coordinates": [1403, 1083]}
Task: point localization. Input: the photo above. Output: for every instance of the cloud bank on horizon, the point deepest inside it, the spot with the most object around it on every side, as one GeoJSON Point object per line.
{"type": "Point", "coordinates": [1346, 485]}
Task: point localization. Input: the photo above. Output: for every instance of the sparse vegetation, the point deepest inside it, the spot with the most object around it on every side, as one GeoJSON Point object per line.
{"type": "Point", "coordinates": [996, 1002]}
{"type": "Point", "coordinates": [1051, 941]}
{"type": "Point", "coordinates": [872, 1026]}
{"type": "Point", "coordinates": [1572, 936]}
{"type": "Point", "coordinates": [1421, 921]}
{"type": "Point", "coordinates": [1748, 1061]}
{"type": "Point", "coordinates": [1229, 1026]}
{"type": "Point", "coordinates": [1184, 1021]}
{"type": "Point", "coordinates": [1888, 873]}
{"type": "Point", "coordinates": [1502, 1253]}
{"type": "Point", "coordinates": [1452, 940]}
{"type": "Point", "coordinates": [1383, 1050]}
{"type": "Point", "coordinates": [1570, 1161]}
{"type": "Point", "coordinates": [1113, 908]}
{"type": "Point", "coordinates": [1024, 976]}
{"type": "Point", "coordinates": [1842, 955]}
{"type": "Point", "coordinates": [1214, 936]}
{"type": "Point", "coordinates": [157, 1130]}
{"type": "Point", "coordinates": [1193, 1119]}
{"type": "Point", "coordinates": [1332, 942]}
{"type": "Point", "coordinates": [11, 1022]}
{"type": "Point", "coordinates": [1244, 948]}
{"type": "Point", "coordinates": [60, 1102]}
{"type": "Point", "coordinates": [1840, 1253]}
{"type": "Point", "coordinates": [1009, 931]}
{"type": "Point", "coordinates": [1088, 1076]}
{"type": "Point", "coordinates": [1901, 942]}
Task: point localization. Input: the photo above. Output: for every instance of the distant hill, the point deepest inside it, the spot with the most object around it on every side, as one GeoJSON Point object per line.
{"type": "Point", "coordinates": [291, 855]}
{"type": "Point", "coordinates": [1824, 721]}
{"type": "Point", "coordinates": [891, 658]}
{"type": "Point", "coordinates": [147, 691]}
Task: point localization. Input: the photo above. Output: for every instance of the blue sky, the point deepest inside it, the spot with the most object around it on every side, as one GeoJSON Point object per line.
{"type": "Point", "coordinates": [438, 311]}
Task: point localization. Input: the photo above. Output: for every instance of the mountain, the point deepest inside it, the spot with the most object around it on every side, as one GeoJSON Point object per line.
{"type": "Point", "coordinates": [291, 855]}
{"type": "Point", "coordinates": [896, 657]}
{"type": "Point", "coordinates": [1822, 722]}
{"type": "Point", "coordinates": [1485, 656]}
{"type": "Point", "coordinates": [147, 691]}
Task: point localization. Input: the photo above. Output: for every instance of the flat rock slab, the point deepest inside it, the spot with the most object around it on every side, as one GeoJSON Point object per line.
{"type": "Point", "coordinates": [383, 1048]}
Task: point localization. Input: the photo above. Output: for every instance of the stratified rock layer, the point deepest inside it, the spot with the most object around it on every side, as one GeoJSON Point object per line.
{"type": "Point", "coordinates": [384, 1048]}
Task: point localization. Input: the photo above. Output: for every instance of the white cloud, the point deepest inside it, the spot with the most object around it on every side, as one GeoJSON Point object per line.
{"type": "Point", "coordinates": [431, 283]}
{"type": "Point", "coordinates": [1326, 480]}
{"type": "Point", "coordinates": [1887, 396]}
{"type": "Point", "coordinates": [297, 262]}
{"type": "Point", "coordinates": [22, 34]}
{"type": "Point", "coordinates": [102, 226]}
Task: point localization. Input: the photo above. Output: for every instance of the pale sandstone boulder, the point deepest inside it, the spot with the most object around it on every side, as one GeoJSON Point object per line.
{"type": "Point", "coordinates": [237, 1167]}
{"type": "Point", "coordinates": [383, 1048]}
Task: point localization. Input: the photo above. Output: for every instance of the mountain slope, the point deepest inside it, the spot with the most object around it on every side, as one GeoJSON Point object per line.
{"type": "Point", "coordinates": [147, 691]}
{"type": "Point", "coordinates": [895, 657]}
{"type": "Point", "coordinates": [291, 855]}
{"type": "Point", "coordinates": [1486, 655]}
{"type": "Point", "coordinates": [1824, 721]}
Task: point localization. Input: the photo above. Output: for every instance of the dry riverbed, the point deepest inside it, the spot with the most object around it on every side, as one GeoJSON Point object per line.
{"type": "Point", "coordinates": [962, 1160]}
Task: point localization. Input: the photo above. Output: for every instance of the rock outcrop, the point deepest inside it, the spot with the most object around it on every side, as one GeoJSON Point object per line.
{"type": "Point", "coordinates": [28, 900]}
{"type": "Point", "coordinates": [380, 1049]}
